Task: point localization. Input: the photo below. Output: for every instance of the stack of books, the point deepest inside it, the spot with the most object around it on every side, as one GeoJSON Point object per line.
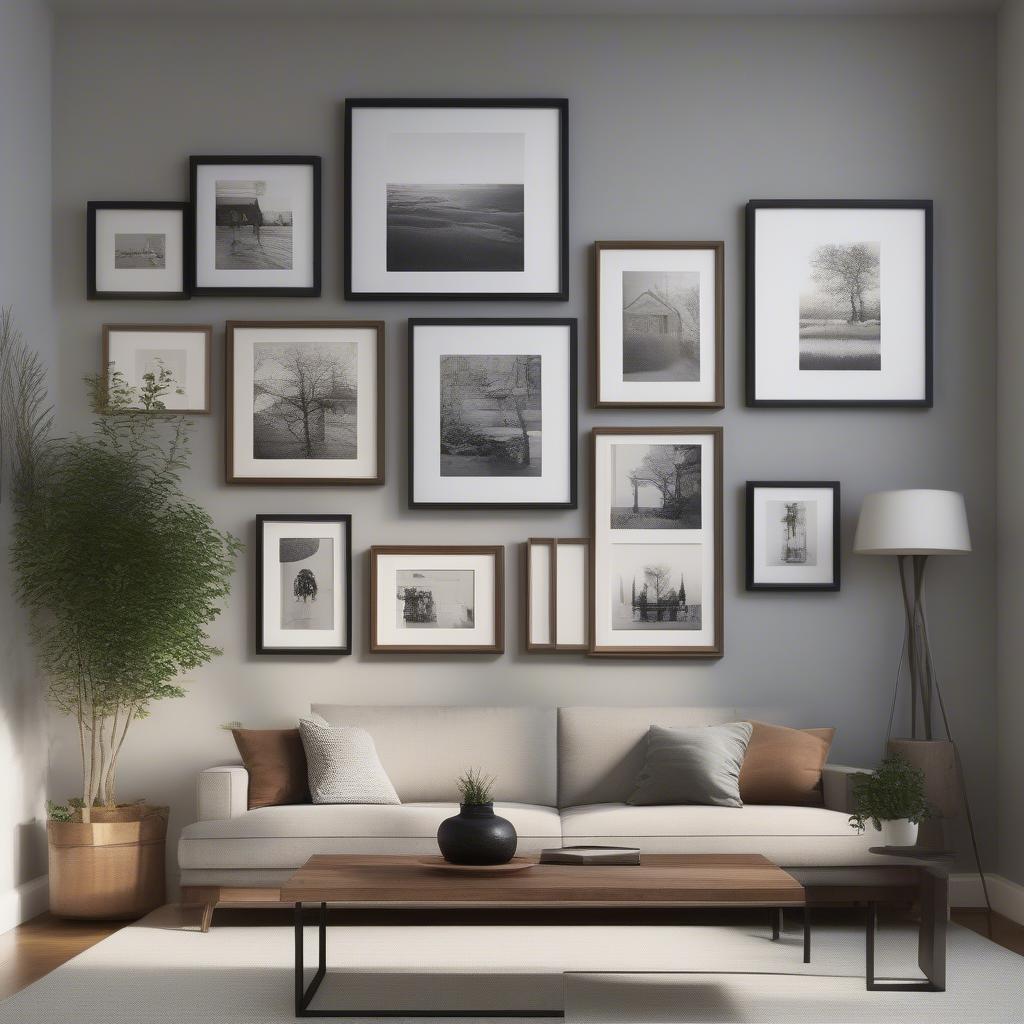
{"type": "Point", "coordinates": [590, 855]}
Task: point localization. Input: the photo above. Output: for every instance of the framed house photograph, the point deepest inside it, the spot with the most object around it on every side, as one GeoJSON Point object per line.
{"type": "Point", "coordinates": [839, 302]}
{"type": "Point", "coordinates": [168, 365]}
{"type": "Point", "coordinates": [659, 324]}
{"type": "Point", "coordinates": [456, 199]}
{"type": "Point", "coordinates": [305, 402]}
{"type": "Point", "coordinates": [656, 560]}
{"type": "Point", "coordinates": [556, 594]}
{"type": "Point", "coordinates": [792, 535]}
{"type": "Point", "coordinates": [492, 413]}
{"type": "Point", "coordinates": [256, 225]}
{"type": "Point", "coordinates": [137, 250]}
{"type": "Point", "coordinates": [304, 584]}
{"type": "Point", "coordinates": [440, 599]}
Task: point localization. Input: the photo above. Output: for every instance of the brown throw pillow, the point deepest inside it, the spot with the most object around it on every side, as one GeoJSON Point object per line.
{"type": "Point", "coordinates": [276, 764]}
{"type": "Point", "coordinates": [783, 766]}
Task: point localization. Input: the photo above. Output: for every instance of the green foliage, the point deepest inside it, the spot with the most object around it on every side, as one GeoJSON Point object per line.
{"type": "Point", "coordinates": [474, 786]}
{"type": "Point", "coordinates": [895, 790]}
{"type": "Point", "coordinates": [59, 812]}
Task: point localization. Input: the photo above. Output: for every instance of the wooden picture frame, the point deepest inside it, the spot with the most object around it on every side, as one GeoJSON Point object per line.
{"type": "Point", "coordinates": [545, 590]}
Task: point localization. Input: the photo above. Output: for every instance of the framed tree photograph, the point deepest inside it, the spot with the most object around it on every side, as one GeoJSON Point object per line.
{"type": "Point", "coordinates": [492, 413]}
{"type": "Point", "coordinates": [137, 250]}
{"type": "Point", "coordinates": [456, 199]}
{"type": "Point", "coordinates": [305, 402]}
{"type": "Point", "coordinates": [659, 324]}
{"type": "Point", "coordinates": [556, 594]}
{"type": "Point", "coordinates": [437, 599]}
{"type": "Point", "coordinates": [839, 302]}
{"type": "Point", "coordinates": [304, 584]}
{"type": "Point", "coordinates": [256, 225]}
{"type": "Point", "coordinates": [792, 535]}
{"type": "Point", "coordinates": [167, 365]}
{"type": "Point", "coordinates": [656, 560]}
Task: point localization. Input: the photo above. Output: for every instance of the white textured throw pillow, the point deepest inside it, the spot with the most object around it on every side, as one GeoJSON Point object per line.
{"type": "Point", "coordinates": [343, 765]}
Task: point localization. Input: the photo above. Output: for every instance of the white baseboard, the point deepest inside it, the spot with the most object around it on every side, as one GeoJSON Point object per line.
{"type": "Point", "coordinates": [1007, 897]}
{"type": "Point", "coordinates": [29, 900]}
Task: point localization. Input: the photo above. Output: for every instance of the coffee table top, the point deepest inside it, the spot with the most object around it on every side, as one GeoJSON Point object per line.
{"type": "Point", "coordinates": [720, 880]}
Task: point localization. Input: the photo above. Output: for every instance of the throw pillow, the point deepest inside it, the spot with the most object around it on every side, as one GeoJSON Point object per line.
{"type": "Point", "coordinates": [343, 765]}
{"type": "Point", "coordinates": [276, 764]}
{"type": "Point", "coordinates": [783, 766]}
{"type": "Point", "coordinates": [693, 766]}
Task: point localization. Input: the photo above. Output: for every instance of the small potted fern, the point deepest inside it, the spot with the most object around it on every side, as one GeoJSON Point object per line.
{"type": "Point", "coordinates": [476, 835]}
{"type": "Point", "coordinates": [892, 799]}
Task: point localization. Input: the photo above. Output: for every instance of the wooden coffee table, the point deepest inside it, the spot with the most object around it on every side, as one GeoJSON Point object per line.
{"type": "Point", "coordinates": [402, 883]}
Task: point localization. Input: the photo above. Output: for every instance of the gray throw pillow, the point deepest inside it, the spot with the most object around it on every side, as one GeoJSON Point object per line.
{"type": "Point", "coordinates": [343, 766]}
{"type": "Point", "coordinates": [693, 766]}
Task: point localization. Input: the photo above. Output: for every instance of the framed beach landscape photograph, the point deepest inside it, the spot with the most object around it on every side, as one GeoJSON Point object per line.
{"type": "Point", "coordinates": [839, 302]}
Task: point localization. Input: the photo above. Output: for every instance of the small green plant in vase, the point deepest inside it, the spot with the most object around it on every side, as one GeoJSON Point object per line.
{"type": "Point", "coordinates": [892, 799]}
{"type": "Point", "coordinates": [476, 835]}
{"type": "Point", "coordinates": [474, 787]}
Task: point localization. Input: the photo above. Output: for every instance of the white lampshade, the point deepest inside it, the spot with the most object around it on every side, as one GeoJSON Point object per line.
{"type": "Point", "coordinates": [917, 522]}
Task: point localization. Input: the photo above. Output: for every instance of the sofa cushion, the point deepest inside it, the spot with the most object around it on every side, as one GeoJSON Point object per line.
{"type": "Point", "coordinates": [343, 765]}
{"type": "Point", "coordinates": [783, 766]}
{"type": "Point", "coordinates": [276, 764]}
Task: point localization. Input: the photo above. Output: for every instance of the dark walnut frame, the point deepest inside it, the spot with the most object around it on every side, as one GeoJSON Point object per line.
{"type": "Point", "coordinates": [552, 544]}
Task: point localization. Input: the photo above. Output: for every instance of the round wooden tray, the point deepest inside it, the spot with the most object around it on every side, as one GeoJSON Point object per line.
{"type": "Point", "coordinates": [440, 864]}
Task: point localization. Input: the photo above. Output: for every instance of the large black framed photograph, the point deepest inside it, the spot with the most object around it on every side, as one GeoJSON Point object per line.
{"type": "Point", "coordinates": [492, 413]}
{"type": "Point", "coordinates": [793, 535]}
{"type": "Point", "coordinates": [256, 225]}
{"type": "Point", "coordinates": [839, 302]}
{"type": "Point", "coordinates": [456, 199]}
{"type": "Point", "coordinates": [304, 584]}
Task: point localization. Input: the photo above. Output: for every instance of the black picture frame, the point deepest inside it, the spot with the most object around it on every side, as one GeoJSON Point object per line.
{"type": "Point", "coordinates": [313, 290]}
{"type": "Point", "coordinates": [753, 205]}
{"type": "Point", "coordinates": [344, 518]}
{"type": "Point", "coordinates": [96, 205]}
{"type": "Point", "coordinates": [561, 294]}
{"type": "Point", "coordinates": [834, 486]}
{"type": "Point", "coordinates": [571, 324]}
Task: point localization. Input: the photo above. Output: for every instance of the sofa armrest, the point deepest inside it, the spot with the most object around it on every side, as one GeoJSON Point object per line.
{"type": "Point", "coordinates": [837, 786]}
{"type": "Point", "coordinates": [222, 792]}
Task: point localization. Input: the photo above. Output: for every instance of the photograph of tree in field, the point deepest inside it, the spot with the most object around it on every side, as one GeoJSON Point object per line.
{"type": "Point", "coordinates": [307, 582]}
{"type": "Point", "coordinates": [435, 598]}
{"type": "Point", "coordinates": [660, 325]}
{"type": "Point", "coordinates": [840, 309]}
{"type": "Point", "coordinates": [791, 530]}
{"type": "Point", "coordinates": [656, 487]}
{"type": "Point", "coordinates": [305, 400]}
{"type": "Point", "coordinates": [656, 586]}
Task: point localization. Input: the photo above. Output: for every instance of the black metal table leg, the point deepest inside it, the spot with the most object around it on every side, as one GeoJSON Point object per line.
{"type": "Point", "coordinates": [776, 913]}
{"type": "Point", "coordinates": [869, 967]}
{"type": "Point", "coordinates": [807, 933]}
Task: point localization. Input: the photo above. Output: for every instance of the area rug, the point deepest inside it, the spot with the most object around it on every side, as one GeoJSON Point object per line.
{"type": "Point", "coordinates": [163, 969]}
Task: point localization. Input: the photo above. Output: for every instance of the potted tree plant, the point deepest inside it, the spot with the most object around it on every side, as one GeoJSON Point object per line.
{"type": "Point", "coordinates": [892, 799]}
{"type": "Point", "coordinates": [120, 573]}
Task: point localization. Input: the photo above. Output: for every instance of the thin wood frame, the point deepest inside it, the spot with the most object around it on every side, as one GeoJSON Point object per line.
{"type": "Point", "coordinates": [552, 543]}
{"type": "Point", "coordinates": [496, 551]}
{"type": "Point", "coordinates": [205, 329]}
{"type": "Point", "coordinates": [229, 381]}
{"type": "Point", "coordinates": [718, 248]}
{"type": "Point", "coordinates": [715, 650]}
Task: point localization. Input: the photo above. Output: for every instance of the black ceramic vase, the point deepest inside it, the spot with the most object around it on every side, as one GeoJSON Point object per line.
{"type": "Point", "coordinates": [476, 835]}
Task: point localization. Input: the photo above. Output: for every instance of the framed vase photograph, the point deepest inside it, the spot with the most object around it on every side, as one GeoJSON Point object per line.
{"type": "Point", "coordinates": [492, 413]}
{"type": "Point", "coordinates": [659, 325]}
{"type": "Point", "coordinates": [256, 225]}
{"type": "Point", "coordinates": [166, 365]}
{"type": "Point", "coordinates": [556, 594]}
{"type": "Point", "coordinates": [304, 584]}
{"type": "Point", "coordinates": [456, 199]}
{"type": "Point", "coordinates": [305, 402]}
{"type": "Point", "coordinates": [137, 250]}
{"type": "Point", "coordinates": [839, 302]}
{"type": "Point", "coordinates": [792, 535]}
{"type": "Point", "coordinates": [656, 562]}
{"type": "Point", "coordinates": [437, 599]}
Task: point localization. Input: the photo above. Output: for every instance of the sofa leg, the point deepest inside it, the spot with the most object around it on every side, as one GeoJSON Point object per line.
{"type": "Point", "coordinates": [204, 924]}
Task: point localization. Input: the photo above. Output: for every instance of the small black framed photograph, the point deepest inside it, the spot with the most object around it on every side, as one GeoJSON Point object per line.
{"type": "Point", "coordinates": [304, 584]}
{"type": "Point", "coordinates": [839, 302]}
{"type": "Point", "coordinates": [793, 535]}
{"type": "Point", "coordinates": [492, 413]}
{"type": "Point", "coordinates": [256, 225]}
{"type": "Point", "coordinates": [456, 199]}
{"type": "Point", "coordinates": [137, 250]}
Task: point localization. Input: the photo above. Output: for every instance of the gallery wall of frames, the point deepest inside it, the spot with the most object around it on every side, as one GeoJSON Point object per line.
{"type": "Point", "coordinates": [467, 200]}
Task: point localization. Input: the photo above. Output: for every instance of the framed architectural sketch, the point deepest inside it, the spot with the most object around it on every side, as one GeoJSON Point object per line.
{"type": "Point", "coordinates": [256, 225]}
{"type": "Point", "coordinates": [492, 413]}
{"type": "Point", "coordinates": [456, 199]}
{"type": "Point", "coordinates": [448, 599]}
{"type": "Point", "coordinates": [304, 584]}
{"type": "Point", "coordinates": [792, 535]}
{"type": "Point", "coordinates": [556, 594]}
{"type": "Point", "coordinates": [137, 250]}
{"type": "Point", "coordinates": [305, 402]}
{"type": "Point", "coordinates": [656, 563]}
{"type": "Point", "coordinates": [839, 302]}
{"type": "Point", "coordinates": [659, 312]}
{"type": "Point", "coordinates": [167, 365]}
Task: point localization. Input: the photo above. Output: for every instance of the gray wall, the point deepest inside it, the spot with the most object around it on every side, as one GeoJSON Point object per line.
{"type": "Point", "coordinates": [673, 125]}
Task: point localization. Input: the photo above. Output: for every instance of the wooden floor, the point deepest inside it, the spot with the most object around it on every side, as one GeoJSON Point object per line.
{"type": "Point", "coordinates": [39, 946]}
